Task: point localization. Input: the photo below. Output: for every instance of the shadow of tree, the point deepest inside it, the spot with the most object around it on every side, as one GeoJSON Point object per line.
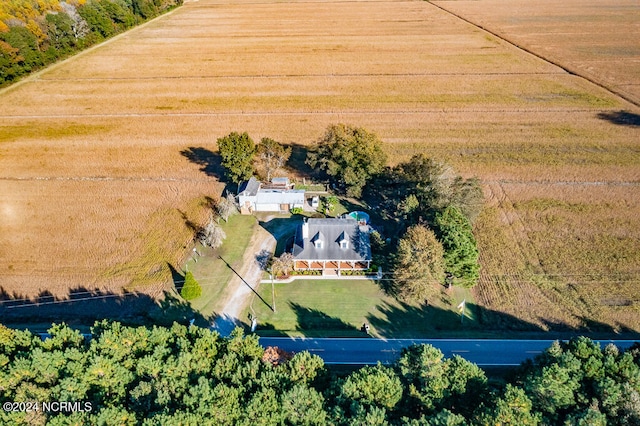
{"type": "Point", "coordinates": [297, 161]}
{"type": "Point", "coordinates": [267, 330]}
{"type": "Point", "coordinates": [83, 306]}
{"type": "Point", "coordinates": [177, 278]}
{"type": "Point", "coordinates": [592, 329]}
{"type": "Point", "coordinates": [263, 258]}
{"type": "Point", "coordinates": [264, 329]}
{"type": "Point", "coordinates": [196, 228]}
{"type": "Point", "coordinates": [404, 320]}
{"type": "Point", "coordinates": [350, 205]}
{"type": "Point", "coordinates": [313, 320]}
{"type": "Point", "coordinates": [622, 118]}
{"type": "Point", "coordinates": [389, 287]}
{"type": "Point", "coordinates": [172, 309]}
{"type": "Point", "coordinates": [210, 162]}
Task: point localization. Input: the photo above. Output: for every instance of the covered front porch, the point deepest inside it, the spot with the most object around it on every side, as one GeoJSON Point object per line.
{"type": "Point", "coordinates": [331, 267]}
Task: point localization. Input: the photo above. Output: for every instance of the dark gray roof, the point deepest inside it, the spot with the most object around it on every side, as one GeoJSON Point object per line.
{"type": "Point", "coordinates": [249, 188]}
{"type": "Point", "coordinates": [331, 232]}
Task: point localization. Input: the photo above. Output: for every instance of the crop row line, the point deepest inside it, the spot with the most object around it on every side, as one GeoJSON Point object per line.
{"type": "Point", "coordinates": [561, 182]}
{"type": "Point", "coordinates": [273, 76]}
{"type": "Point", "coordinates": [103, 178]}
{"type": "Point", "coordinates": [205, 180]}
{"type": "Point", "coordinates": [300, 113]}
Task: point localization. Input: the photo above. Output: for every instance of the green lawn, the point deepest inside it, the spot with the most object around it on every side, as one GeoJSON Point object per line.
{"type": "Point", "coordinates": [211, 272]}
{"type": "Point", "coordinates": [338, 308]}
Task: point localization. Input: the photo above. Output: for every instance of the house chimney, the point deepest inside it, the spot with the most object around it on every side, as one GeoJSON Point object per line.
{"type": "Point", "coordinates": [305, 229]}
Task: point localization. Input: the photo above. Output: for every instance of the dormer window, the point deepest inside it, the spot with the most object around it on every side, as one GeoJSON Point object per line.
{"type": "Point", "coordinates": [317, 240]}
{"type": "Point", "coordinates": [344, 241]}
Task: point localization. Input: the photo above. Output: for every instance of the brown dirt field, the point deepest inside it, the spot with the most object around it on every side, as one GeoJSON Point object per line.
{"type": "Point", "coordinates": [595, 39]}
{"type": "Point", "coordinates": [94, 186]}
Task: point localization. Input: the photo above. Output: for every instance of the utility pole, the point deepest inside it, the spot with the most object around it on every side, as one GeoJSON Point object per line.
{"type": "Point", "coordinates": [273, 292]}
{"type": "Point", "coordinates": [461, 308]}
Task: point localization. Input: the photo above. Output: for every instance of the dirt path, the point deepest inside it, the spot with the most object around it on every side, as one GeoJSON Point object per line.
{"type": "Point", "coordinates": [248, 277]}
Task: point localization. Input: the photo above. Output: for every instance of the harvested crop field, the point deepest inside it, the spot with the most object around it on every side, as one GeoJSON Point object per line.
{"type": "Point", "coordinates": [595, 39]}
{"type": "Point", "coordinates": [105, 157]}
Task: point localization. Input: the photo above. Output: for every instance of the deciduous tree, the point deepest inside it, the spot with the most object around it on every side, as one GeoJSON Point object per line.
{"type": "Point", "coordinates": [227, 206]}
{"type": "Point", "coordinates": [44, 30]}
{"type": "Point", "coordinates": [350, 155]}
{"type": "Point", "coordinates": [282, 265]}
{"type": "Point", "coordinates": [212, 235]}
{"type": "Point", "coordinates": [237, 151]}
{"type": "Point", "coordinates": [272, 156]}
{"type": "Point", "coordinates": [418, 189]}
{"type": "Point", "coordinates": [419, 266]}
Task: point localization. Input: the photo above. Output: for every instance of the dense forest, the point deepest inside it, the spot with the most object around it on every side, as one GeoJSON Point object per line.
{"type": "Point", "coordinates": [192, 376]}
{"type": "Point", "coordinates": [35, 33]}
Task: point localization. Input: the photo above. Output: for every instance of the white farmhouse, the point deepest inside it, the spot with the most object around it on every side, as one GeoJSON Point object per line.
{"type": "Point", "coordinates": [278, 197]}
{"type": "Point", "coordinates": [332, 246]}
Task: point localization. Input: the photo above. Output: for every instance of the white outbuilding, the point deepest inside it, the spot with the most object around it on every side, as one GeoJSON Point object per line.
{"type": "Point", "coordinates": [253, 197]}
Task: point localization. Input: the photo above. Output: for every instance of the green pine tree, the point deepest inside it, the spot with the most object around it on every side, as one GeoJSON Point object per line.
{"type": "Point", "coordinates": [191, 289]}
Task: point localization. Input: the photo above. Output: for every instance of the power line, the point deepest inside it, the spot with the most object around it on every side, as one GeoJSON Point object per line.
{"type": "Point", "coordinates": [31, 302]}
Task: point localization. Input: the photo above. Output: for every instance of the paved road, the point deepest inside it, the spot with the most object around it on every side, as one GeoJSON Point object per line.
{"type": "Point", "coordinates": [484, 352]}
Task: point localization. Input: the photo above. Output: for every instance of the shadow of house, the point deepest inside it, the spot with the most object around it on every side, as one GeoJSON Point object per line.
{"type": "Point", "coordinates": [84, 306]}
{"type": "Point", "coordinates": [210, 162]}
{"type": "Point", "coordinates": [621, 118]}
{"type": "Point", "coordinates": [283, 230]}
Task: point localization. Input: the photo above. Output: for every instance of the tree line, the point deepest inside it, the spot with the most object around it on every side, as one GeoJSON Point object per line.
{"type": "Point", "coordinates": [36, 33]}
{"type": "Point", "coordinates": [193, 376]}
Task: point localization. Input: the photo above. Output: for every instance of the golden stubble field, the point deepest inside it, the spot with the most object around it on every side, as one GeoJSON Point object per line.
{"type": "Point", "coordinates": [592, 38]}
{"type": "Point", "coordinates": [95, 188]}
